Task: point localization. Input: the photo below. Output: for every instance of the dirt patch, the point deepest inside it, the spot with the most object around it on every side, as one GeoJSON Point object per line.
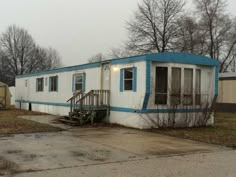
{"type": "Point", "coordinates": [233, 146]}
{"type": "Point", "coordinates": [29, 157]}
{"type": "Point", "coordinates": [7, 167]}
{"type": "Point", "coordinates": [96, 155]}
{"type": "Point", "coordinates": [10, 124]}
{"type": "Point", "coordinates": [14, 151]}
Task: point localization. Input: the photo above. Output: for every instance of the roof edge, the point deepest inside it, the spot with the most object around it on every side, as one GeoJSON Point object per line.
{"type": "Point", "coordinates": [175, 57]}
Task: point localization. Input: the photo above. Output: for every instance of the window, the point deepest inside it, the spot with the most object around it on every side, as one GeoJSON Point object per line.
{"type": "Point", "coordinates": [39, 85]}
{"type": "Point", "coordinates": [78, 82]}
{"type": "Point", "coordinates": [198, 87]}
{"type": "Point", "coordinates": [128, 79]}
{"type": "Point", "coordinates": [175, 95]}
{"type": "Point", "coordinates": [53, 84]}
{"type": "Point", "coordinates": [188, 87]}
{"type": "Point", "coordinates": [161, 85]}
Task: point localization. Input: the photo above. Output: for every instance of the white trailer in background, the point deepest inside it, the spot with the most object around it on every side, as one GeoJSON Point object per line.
{"type": "Point", "coordinates": [12, 91]}
{"type": "Point", "coordinates": [154, 90]}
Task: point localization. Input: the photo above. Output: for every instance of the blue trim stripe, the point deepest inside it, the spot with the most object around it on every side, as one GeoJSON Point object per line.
{"type": "Point", "coordinates": [185, 58]}
{"type": "Point", "coordinates": [148, 85]}
{"type": "Point", "coordinates": [151, 111]}
{"type": "Point", "coordinates": [118, 109]}
{"type": "Point", "coordinates": [170, 57]}
{"type": "Point", "coordinates": [60, 70]}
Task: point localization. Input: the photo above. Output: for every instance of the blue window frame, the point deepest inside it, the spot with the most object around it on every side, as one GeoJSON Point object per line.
{"type": "Point", "coordinates": [79, 82]}
{"type": "Point", "coordinates": [128, 79]}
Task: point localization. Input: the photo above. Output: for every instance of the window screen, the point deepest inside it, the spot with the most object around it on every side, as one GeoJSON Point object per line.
{"type": "Point", "coordinates": [53, 84]}
{"type": "Point", "coordinates": [78, 82]}
{"type": "Point", "coordinates": [188, 87]}
{"type": "Point", "coordinates": [128, 79]}
{"type": "Point", "coordinates": [161, 85]}
{"type": "Point", "coordinates": [175, 95]}
{"type": "Point", "coordinates": [39, 85]}
{"type": "Point", "coordinates": [198, 87]}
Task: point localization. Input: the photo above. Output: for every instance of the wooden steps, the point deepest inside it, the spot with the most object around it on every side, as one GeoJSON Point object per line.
{"type": "Point", "coordinates": [68, 121]}
{"type": "Point", "coordinates": [89, 107]}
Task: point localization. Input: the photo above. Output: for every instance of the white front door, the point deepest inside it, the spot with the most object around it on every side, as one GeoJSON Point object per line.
{"type": "Point", "coordinates": [106, 76]}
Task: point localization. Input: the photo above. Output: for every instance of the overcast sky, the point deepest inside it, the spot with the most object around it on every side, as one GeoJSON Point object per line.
{"type": "Point", "coordinates": [78, 29]}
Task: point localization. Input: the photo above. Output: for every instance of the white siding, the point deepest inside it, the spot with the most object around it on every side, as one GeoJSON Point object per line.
{"type": "Point", "coordinates": [128, 99]}
{"type": "Point", "coordinates": [61, 96]}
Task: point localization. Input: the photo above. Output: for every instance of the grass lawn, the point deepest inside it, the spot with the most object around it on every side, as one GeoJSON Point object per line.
{"type": "Point", "coordinates": [10, 124]}
{"type": "Point", "coordinates": [223, 133]}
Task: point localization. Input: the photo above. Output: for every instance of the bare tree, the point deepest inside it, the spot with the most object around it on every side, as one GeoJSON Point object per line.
{"type": "Point", "coordinates": [54, 58]}
{"type": "Point", "coordinates": [96, 58]}
{"type": "Point", "coordinates": [228, 51]}
{"type": "Point", "coordinates": [210, 11]}
{"type": "Point", "coordinates": [219, 29]}
{"type": "Point", "coordinates": [19, 54]}
{"type": "Point", "coordinates": [49, 58]}
{"type": "Point", "coordinates": [190, 36]}
{"type": "Point", "coordinates": [121, 52]}
{"type": "Point", "coordinates": [18, 48]}
{"type": "Point", "coordinates": [5, 72]}
{"type": "Point", "coordinates": [154, 26]}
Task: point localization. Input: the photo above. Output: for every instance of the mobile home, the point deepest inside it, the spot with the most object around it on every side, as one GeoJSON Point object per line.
{"type": "Point", "coordinates": [227, 97]}
{"type": "Point", "coordinates": [154, 90]}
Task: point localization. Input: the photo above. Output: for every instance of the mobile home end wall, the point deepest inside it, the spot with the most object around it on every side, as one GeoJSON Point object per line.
{"type": "Point", "coordinates": [155, 115]}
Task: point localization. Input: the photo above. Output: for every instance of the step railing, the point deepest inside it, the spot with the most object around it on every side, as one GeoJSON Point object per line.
{"type": "Point", "coordinates": [77, 96]}
{"type": "Point", "coordinates": [94, 99]}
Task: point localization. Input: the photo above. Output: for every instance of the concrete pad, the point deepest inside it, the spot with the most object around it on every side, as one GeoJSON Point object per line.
{"type": "Point", "coordinates": [216, 164]}
{"type": "Point", "coordinates": [85, 147]}
{"type": "Point", "coordinates": [142, 143]}
{"type": "Point", "coordinates": [36, 152]}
